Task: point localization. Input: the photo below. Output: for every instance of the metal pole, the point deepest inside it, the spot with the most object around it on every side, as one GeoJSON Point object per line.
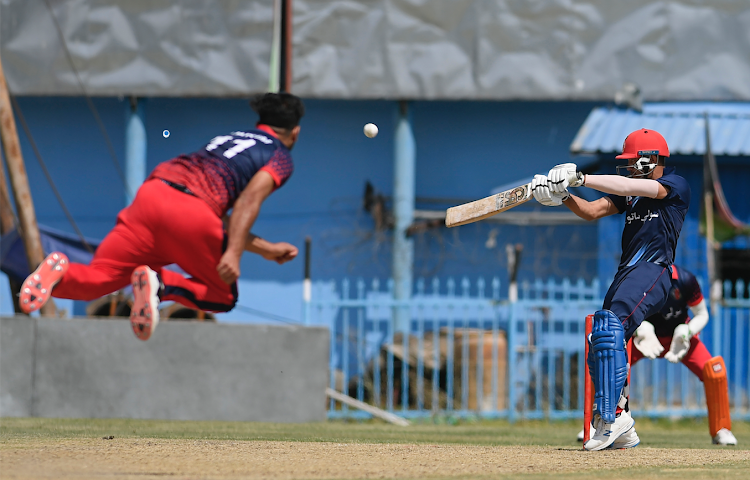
{"type": "Point", "coordinates": [714, 284]}
{"type": "Point", "coordinates": [514, 261]}
{"type": "Point", "coordinates": [285, 47]}
{"type": "Point", "coordinates": [274, 81]}
{"type": "Point", "coordinates": [307, 283]}
{"type": "Point", "coordinates": [19, 183]}
{"type": "Point", "coordinates": [403, 208]}
{"type": "Point", "coordinates": [135, 149]}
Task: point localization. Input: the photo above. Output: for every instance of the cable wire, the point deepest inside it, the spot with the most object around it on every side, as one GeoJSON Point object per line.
{"type": "Point", "coordinates": [270, 316]}
{"type": "Point", "coordinates": [26, 130]}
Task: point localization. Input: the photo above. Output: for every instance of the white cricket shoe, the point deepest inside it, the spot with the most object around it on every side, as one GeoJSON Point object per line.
{"type": "Point", "coordinates": [628, 439]}
{"type": "Point", "coordinates": [606, 433]}
{"type": "Point", "coordinates": [724, 437]}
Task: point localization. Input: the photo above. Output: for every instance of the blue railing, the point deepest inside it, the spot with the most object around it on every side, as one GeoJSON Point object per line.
{"type": "Point", "coordinates": [468, 351]}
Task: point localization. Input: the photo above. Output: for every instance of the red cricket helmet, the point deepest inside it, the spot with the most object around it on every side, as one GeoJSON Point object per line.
{"type": "Point", "coordinates": [642, 143]}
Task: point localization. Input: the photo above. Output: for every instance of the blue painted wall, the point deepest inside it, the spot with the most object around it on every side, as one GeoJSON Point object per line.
{"type": "Point", "coordinates": [464, 150]}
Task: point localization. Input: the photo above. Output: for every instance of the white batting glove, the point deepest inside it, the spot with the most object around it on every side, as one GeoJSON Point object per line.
{"type": "Point", "coordinates": [563, 176]}
{"type": "Point", "coordinates": [542, 193]}
{"type": "Point", "coordinates": [680, 343]}
{"type": "Point", "coordinates": [646, 341]}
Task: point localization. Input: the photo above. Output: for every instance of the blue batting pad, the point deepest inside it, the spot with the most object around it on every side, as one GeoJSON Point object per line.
{"type": "Point", "coordinates": [610, 363]}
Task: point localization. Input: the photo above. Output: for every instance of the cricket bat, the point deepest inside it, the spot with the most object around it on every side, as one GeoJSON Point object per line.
{"type": "Point", "coordinates": [487, 207]}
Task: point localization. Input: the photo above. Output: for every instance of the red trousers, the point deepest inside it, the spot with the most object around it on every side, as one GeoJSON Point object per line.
{"type": "Point", "coordinates": [694, 359]}
{"type": "Point", "coordinates": [162, 226]}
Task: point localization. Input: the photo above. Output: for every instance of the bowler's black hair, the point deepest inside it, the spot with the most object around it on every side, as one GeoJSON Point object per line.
{"type": "Point", "coordinates": [282, 110]}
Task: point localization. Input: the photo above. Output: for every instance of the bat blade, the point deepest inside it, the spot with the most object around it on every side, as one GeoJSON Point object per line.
{"type": "Point", "coordinates": [487, 207]}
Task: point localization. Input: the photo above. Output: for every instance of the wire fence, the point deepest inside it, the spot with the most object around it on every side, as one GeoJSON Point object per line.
{"type": "Point", "coordinates": [466, 351]}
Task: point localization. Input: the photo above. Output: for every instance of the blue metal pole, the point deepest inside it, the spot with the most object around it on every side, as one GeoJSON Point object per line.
{"type": "Point", "coordinates": [135, 148]}
{"type": "Point", "coordinates": [403, 208]}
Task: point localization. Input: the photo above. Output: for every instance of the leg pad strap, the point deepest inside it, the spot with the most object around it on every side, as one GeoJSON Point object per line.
{"type": "Point", "coordinates": [610, 362]}
{"type": "Point", "coordinates": [717, 395]}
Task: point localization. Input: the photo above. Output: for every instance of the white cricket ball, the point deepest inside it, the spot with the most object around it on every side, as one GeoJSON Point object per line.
{"type": "Point", "coordinates": [371, 130]}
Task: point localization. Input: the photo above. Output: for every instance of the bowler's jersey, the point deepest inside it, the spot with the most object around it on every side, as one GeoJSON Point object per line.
{"type": "Point", "coordinates": [219, 172]}
{"type": "Point", "coordinates": [685, 293]}
{"type": "Point", "coordinates": [653, 226]}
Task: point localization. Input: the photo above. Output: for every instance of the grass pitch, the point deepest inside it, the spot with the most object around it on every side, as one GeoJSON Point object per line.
{"type": "Point", "coordinates": [92, 448]}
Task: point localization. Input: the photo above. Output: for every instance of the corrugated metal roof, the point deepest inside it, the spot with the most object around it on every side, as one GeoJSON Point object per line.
{"type": "Point", "coordinates": [682, 125]}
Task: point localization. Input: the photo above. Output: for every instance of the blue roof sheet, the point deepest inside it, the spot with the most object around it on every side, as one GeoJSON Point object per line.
{"type": "Point", "coordinates": [682, 125]}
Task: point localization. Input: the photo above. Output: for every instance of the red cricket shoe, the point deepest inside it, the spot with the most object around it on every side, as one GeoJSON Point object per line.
{"type": "Point", "coordinates": [144, 315]}
{"type": "Point", "coordinates": [37, 288]}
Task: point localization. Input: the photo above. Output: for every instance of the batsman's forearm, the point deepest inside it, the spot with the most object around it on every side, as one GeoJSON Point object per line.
{"type": "Point", "coordinates": [580, 207]}
{"type": "Point", "coordinates": [623, 186]}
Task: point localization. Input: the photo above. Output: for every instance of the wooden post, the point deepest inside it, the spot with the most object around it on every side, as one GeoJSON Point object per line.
{"type": "Point", "coordinates": [372, 410]}
{"type": "Point", "coordinates": [19, 182]}
{"type": "Point", "coordinates": [7, 223]}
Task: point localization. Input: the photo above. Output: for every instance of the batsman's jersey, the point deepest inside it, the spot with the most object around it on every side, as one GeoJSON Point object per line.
{"type": "Point", "coordinates": [653, 226]}
{"type": "Point", "coordinates": [220, 171]}
{"type": "Point", "coordinates": [685, 293]}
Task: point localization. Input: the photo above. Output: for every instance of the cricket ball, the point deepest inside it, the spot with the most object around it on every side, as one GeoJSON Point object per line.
{"type": "Point", "coordinates": [371, 130]}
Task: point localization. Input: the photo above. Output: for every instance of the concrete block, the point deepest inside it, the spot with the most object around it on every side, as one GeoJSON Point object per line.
{"type": "Point", "coordinates": [187, 371]}
{"type": "Point", "coordinates": [16, 366]}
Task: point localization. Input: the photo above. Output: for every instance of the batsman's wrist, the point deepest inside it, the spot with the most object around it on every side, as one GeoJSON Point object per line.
{"type": "Point", "coordinates": [577, 180]}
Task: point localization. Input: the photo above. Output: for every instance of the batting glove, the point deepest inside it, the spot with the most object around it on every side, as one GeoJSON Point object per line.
{"type": "Point", "coordinates": [680, 343]}
{"type": "Point", "coordinates": [543, 194]}
{"type": "Point", "coordinates": [646, 341]}
{"type": "Point", "coordinates": [563, 176]}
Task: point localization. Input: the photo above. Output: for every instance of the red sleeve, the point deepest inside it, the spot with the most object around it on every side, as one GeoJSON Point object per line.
{"type": "Point", "coordinates": [280, 167]}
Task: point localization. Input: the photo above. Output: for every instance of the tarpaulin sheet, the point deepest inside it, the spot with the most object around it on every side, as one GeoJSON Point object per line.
{"type": "Point", "coordinates": [396, 49]}
{"type": "Point", "coordinates": [136, 47]}
{"type": "Point", "coordinates": [13, 254]}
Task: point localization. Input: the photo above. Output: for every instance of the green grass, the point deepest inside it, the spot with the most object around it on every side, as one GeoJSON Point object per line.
{"type": "Point", "coordinates": [661, 433]}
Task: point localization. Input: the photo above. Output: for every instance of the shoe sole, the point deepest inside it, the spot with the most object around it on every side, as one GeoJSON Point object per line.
{"type": "Point", "coordinates": [616, 446]}
{"type": "Point", "coordinates": [37, 288]}
{"type": "Point", "coordinates": [144, 314]}
{"type": "Point", "coordinates": [623, 447]}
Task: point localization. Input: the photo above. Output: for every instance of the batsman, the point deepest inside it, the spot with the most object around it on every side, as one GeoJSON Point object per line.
{"type": "Point", "coordinates": [655, 201]}
{"type": "Point", "coordinates": [672, 334]}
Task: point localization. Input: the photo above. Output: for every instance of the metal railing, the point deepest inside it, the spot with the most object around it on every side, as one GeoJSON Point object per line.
{"type": "Point", "coordinates": [467, 351]}
{"type": "Point", "coordinates": [663, 389]}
